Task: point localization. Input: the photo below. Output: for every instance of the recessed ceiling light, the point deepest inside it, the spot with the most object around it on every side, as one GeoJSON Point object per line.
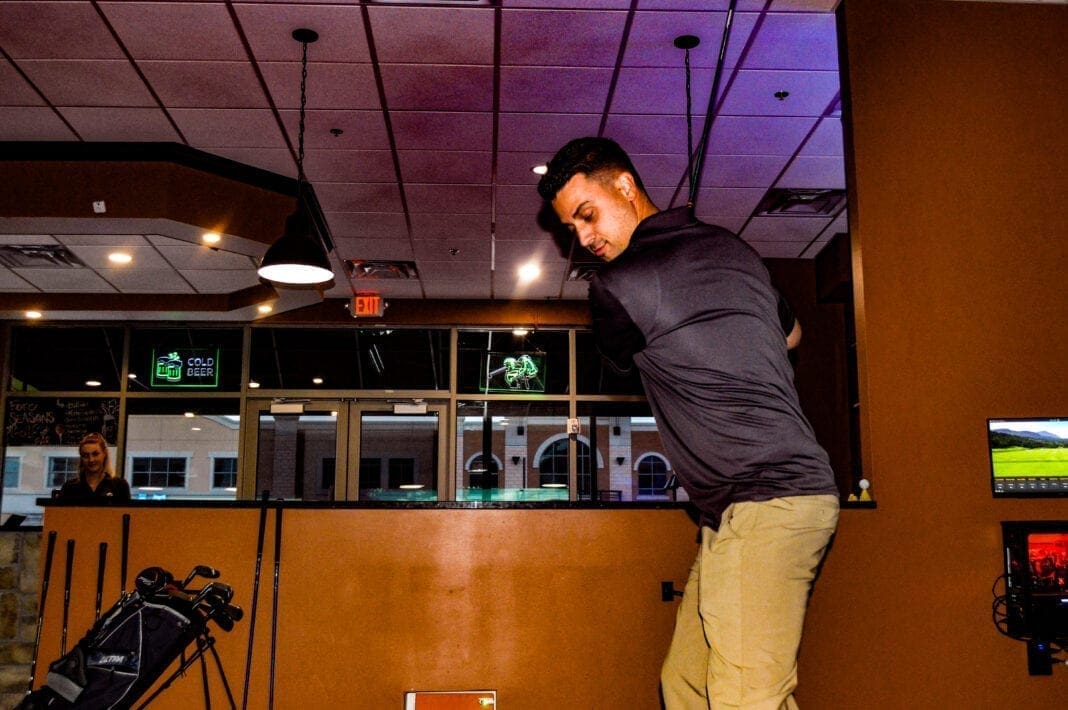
{"type": "Point", "coordinates": [317, 380]}
{"type": "Point", "coordinates": [210, 237]}
{"type": "Point", "coordinates": [540, 169]}
{"type": "Point", "coordinates": [253, 385]}
{"type": "Point", "coordinates": [119, 257]}
{"type": "Point", "coordinates": [190, 415]}
{"type": "Point", "coordinates": [132, 375]}
{"type": "Point", "coordinates": [265, 308]}
{"type": "Point", "coordinates": [520, 332]}
{"type": "Point", "coordinates": [528, 272]}
{"type": "Point", "coordinates": [33, 315]}
{"type": "Point", "coordinates": [195, 428]}
{"type": "Point", "coordinates": [410, 486]}
{"type": "Point", "coordinates": [92, 383]}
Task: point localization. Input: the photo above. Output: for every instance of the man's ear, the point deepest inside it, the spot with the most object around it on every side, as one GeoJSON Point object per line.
{"type": "Point", "coordinates": [626, 185]}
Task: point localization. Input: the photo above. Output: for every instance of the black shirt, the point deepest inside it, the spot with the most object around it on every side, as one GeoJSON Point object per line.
{"type": "Point", "coordinates": [692, 306]}
{"type": "Point", "coordinates": [111, 488]}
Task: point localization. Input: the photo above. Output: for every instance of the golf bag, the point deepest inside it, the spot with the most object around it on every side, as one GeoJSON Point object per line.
{"type": "Point", "coordinates": [136, 641]}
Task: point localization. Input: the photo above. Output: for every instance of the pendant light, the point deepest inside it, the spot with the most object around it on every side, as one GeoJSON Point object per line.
{"type": "Point", "coordinates": [297, 257]}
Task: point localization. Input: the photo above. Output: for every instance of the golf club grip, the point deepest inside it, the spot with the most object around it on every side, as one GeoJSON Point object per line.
{"type": "Point", "coordinates": [101, 565]}
{"type": "Point", "coordinates": [49, 553]}
{"type": "Point", "coordinates": [125, 550]}
{"type": "Point", "coordinates": [255, 596]}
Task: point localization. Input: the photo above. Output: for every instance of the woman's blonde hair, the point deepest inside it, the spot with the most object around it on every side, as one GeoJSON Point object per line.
{"type": "Point", "coordinates": [98, 439]}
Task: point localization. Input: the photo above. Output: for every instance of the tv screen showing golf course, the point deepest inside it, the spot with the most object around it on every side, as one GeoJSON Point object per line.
{"type": "Point", "coordinates": [1029, 456]}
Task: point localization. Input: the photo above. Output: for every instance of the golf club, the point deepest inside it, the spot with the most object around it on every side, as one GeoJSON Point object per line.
{"type": "Point", "coordinates": [49, 550]}
{"type": "Point", "coordinates": [100, 566]}
{"type": "Point", "coordinates": [255, 597]}
{"type": "Point", "coordinates": [66, 596]}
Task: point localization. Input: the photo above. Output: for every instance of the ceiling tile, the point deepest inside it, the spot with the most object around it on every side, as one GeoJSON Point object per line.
{"type": "Point", "coordinates": [406, 34]}
{"type": "Point", "coordinates": [372, 225]}
{"type": "Point", "coordinates": [185, 84]}
{"type": "Point", "coordinates": [541, 89]}
{"type": "Point", "coordinates": [275, 160]}
{"type": "Point", "coordinates": [65, 280]}
{"type": "Point", "coordinates": [826, 139]}
{"type": "Point", "coordinates": [512, 253]}
{"type": "Point", "coordinates": [815, 172]}
{"type": "Point", "coordinates": [131, 124]}
{"type": "Point", "coordinates": [778, 250]}
{"type": "Point", "coordinates": [795, 41]}
{"type": "Point", "coordinates": [442, 199]}
{"type": "Point", "coordinates": [229, 127]}
{"type": "Point", "coordinates": [758, 135]}
{"type": "Point", "coordinates": [522, 227]}
{"type": "Point", "coordinates": [741, 170]}
{"type": "Point", "coordinates": [470, 288]}
{"type": "Point", "coordinates": [546, 132]}
{"type": "Point", "coordinates": [391, 249]}
{"type": "Point", "coordinates": [195, 257]}
{"type": "Point", "coordinates": [33, 123]}
{"type": "Point", "coordinates": [655, 90]}
{"type": "Point", "coordinates": [329, 86]}
{"type": "Point", "coordinates": [453, 270]}
{"type": "Point", "coordinates": [55, 30]}
{"type": "Point", "coordinates": [732, 223]}
{"type": "Point", "coordinates": [436, 87]}
{"type": "Point", "coordinates": [147, 280]}
{"type": "Point", "coordinates": [518, 199]}
{"type": "Point", "coordinates": [515, 168]}
{"type": "Point", "coordinates": [175, 30]}
{"type": "Point", "coordinates": [10, 281]}
{"type": "Point", "coordinates": [349, 165]}
{"type": "Point", "coordinates": [652, 38]}
{"type": "Point", "coordinates": [354, 197]}
{"type": "Point", "coordinates": [752, 93]}
{"type": "Point", "coordinates": [568, 4]}
{"type": "Point", "coordinates": [360, 130]}
{"type": "Point", "coordinates": [96, 257]}
{"type": "Point", "coordinates": [110, 240]}
{"type": "Point", "coordinates": [25, 239]}
{"type": "Point", "coordinates": [784, 229]}
{"type": "Point", "coordinates": [269, 29]}
{"type": "Point", "coordinates": [451, 227]}
{"type": "Point", "coordinates": [14, 89]}
{"type": "Point", "coordinates": [221, 281]}
{"type": "Point", "coordinates": [576, 38]}
{"type": "Point", "coordinates": [90, 82]}
{"type": "Point", "coordinates": [443, 166]}
{"type": "Point", "coordinates": [388, 288]}
{"type": "Point", "coordinates": [420, 130]}
{"type": "Point", "coordinates": [439, 249]}
{"type": "Point", "coordinates": [649, 134]}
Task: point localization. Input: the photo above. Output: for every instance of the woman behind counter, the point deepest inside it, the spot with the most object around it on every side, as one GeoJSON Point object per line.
{"type": "Point", "coordinates": [96, 481]}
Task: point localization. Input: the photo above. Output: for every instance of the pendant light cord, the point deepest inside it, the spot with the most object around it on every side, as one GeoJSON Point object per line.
{"type": "Point", "coordinates": [300, 131]}
{"type": "Point", "coordinates": [689, 125]}
{"type": "Point", "coordinates": [710, 115]}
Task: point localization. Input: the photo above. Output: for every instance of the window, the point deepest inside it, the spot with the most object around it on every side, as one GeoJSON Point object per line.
{"type": "Point", "coordinates": [159, 471]}
{"type": "Point", "coordinates": [12, 466]}
{"type": "Point", "coordinates": [370, 473]}
{"type": "Point", "coordinates": [401, 472]}
{"type": "Point", "coordinates": [652, 475]}
{"type": "Point", "coordinates": [224, 472]}
{"type": "Point", "coordinates": [61, 469]}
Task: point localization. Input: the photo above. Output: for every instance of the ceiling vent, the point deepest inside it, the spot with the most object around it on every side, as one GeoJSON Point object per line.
{"type": "Point", "coordinates": [801, 203]}
{"type": "Point", "coordinates": [371, 269]}
{"type": "Point", "coordinates": [39, 256]}
{"type": "Point", "coordinates": [583, 272]}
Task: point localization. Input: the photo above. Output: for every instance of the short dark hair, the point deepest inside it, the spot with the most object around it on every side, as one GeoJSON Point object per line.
{"type": "Point", "coordinates": [587, 156]}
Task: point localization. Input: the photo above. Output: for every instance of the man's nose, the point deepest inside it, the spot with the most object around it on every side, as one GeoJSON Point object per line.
{"type": "Point", "coordinates": [585, 236]}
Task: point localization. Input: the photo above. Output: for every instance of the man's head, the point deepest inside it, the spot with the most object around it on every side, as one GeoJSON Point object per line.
{"type": "Point", "coordinates": [597, 194]}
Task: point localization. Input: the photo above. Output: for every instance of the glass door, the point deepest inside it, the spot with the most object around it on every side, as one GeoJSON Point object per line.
{"type": "Point", "coordinates": [397, 452]}
{"type": "Point", "coordinates": [297, 450]}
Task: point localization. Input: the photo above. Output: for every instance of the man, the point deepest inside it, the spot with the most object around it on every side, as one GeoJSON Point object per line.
{"type": "Point", "coordinates": [692, 307]}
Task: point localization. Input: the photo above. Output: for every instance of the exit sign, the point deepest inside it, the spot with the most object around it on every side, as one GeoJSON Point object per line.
{"type": "Point", "coordinates": [368, 305]}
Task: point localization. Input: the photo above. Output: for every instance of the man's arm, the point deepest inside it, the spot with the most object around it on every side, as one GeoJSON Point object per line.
{"type": "Point", "coordinates": [616, 335]}
{"type": "Point", "coordinates": [790, 325]}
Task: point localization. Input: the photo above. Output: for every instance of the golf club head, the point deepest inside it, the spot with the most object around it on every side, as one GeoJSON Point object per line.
{"type": "Point", "coordinates": [152, 580]}
{"type": "Point", "coordinates": [201, 571]}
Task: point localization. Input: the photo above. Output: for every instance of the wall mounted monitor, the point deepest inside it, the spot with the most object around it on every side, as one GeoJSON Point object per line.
{"type": "Point", "coordinates": [1029, 457]}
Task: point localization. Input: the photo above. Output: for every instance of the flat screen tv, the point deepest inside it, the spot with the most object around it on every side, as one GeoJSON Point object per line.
{"type": "Point", "coordinates": [1029, 457]}
{"type": "Point", "coordinates": [1036, 574]}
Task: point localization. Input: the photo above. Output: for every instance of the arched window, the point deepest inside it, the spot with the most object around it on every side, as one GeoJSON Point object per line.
{"type": "Point", "coordinates": [552, 465]}
{"type": "Point", "coordinates": [653, 472]}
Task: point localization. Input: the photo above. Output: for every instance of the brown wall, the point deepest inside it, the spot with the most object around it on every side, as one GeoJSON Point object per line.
{"type": "Point", "coordinates": [958, 215]}
{"type": "Point", "coordinates": [552, 608]}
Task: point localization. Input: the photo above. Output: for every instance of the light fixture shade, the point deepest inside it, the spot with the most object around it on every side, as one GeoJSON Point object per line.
{"type": "Point", "coordinates": [296, 257]}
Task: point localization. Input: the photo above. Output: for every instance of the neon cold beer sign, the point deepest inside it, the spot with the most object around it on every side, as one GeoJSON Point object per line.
{"type": "Point", "coordinates": [185, 367]}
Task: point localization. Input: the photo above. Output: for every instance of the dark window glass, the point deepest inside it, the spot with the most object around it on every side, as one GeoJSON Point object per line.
{"type": "Point", "coordinates": [593, 376]}
{"type": "Point", "coordinates": [652, 476]}
{"type": "Point", "coordinates": [194, 347]}
{"type": "Point", "coordinates": [61, 469]}
{"type": "Point", "coordinates": [370, 473]}
{"type": "Point", "coordinates": [482, 353]}
{"type": "Point", "coordinates": [158, 471]}
{"type": "Point", "coordinates": [350, 358]}
{"type": "Point", "coordinates": [326, 476]}
{"type": "Point", "coordinates": [224, 472]}
{"type": "Point", "coordinates": [49, 359]}
{"type": "Point", "coordinates": [552, 466]}
{"type": "Point", "coordinates": [401, 472]}
{"type": "Point", "coordinates": [12, 465]}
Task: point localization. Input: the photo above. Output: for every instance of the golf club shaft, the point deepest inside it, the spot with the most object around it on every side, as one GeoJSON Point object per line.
{"type": "Point", "coordinates": [66, 596]}
{"type": "Point", "coordinates": [49, 551]}
{"type": "Point", "coordinates": [274, 607]}
{"type": "Point", "coordinates": [255, 597]}
{"type": "Point", "coordinates": [101, 565]}
{"type": "Point", "coordinates": [125, 551]}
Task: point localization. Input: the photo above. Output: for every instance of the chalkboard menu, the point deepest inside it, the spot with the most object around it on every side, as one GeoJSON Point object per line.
{"type": "Point", "coordinates": [59, 421]}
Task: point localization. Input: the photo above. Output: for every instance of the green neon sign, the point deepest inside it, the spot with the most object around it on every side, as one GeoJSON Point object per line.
{"type": "Point", "coordinates": [174, 368]}
{"type": "Point", "coordinates": [514, 372]}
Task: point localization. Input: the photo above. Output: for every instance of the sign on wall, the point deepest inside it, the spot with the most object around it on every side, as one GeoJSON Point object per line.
{"type": "Point", "coordinates": [185, 367]}
{"type": "Point", "coordinates": [59, 421]}
{"type": "Point", "coordinates": [514, 372]}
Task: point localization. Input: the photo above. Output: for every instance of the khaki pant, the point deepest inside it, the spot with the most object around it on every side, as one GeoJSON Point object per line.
{"type": "Point", "coordinates": [739, 625]}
